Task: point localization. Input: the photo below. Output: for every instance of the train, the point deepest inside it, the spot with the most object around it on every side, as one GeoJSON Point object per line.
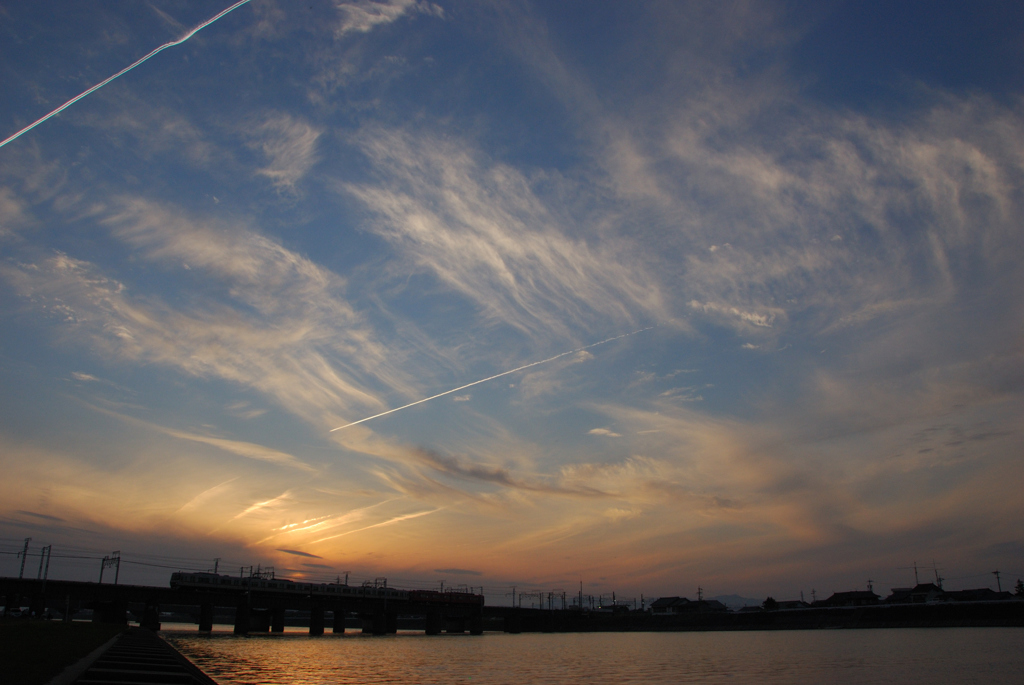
{"type": "Point", "coordinates": [200, 580]}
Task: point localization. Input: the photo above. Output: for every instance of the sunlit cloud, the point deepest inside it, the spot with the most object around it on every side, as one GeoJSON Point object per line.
{"type": "Point", "coordinates": [362, 16]}
{"type": "Point", "coordinates": [257, 506]}
{"type": "Point", "coordinates": [205, 496]}
{"type": "Point", "coordinates": [344, 210]}
{"type": "Point", "coordinates": [481, 230]}
{"type": "Point", "coordinates": [237, 447]}
{"type": "Point", "coordinates": [307, 353]}
{"type": "Point", "coordinates": [389, 522]}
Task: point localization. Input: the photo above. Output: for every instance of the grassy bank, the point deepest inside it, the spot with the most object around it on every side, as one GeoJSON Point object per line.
{"type": "Point", "coordinates": [35, 651]}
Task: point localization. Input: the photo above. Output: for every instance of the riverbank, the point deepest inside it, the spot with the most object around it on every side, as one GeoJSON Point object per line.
{"type": "Point", "coordinates": [945, 615]}
{"type": "Point", "coordinates": [33, 651]}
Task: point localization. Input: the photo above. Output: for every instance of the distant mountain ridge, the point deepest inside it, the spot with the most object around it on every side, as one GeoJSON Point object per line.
{"type": "Point", "coordinates": [737, 602]}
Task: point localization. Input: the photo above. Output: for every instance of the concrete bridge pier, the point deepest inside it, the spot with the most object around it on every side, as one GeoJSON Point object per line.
{"type": "Point", "coordinates": [391, 622]}
{"type": "Point", "coordinates": [259, 620]}
{"type": "Point", "coordinates": [242, 617]}
{"type": "Point", "coordinates": [37, 606]}
{"type": "Point", "coordinates": [375, 623]}
{"type": "Point", "coordinates": [435, 623]}
{"type": "Point", "coordinates": [110, 612]}
{"type": "Point", "coordinates": [513, 624]}
{"type": "Point", "coordinates": [151, 616]}
{"type": "Point", "coordinates": [316, 620]}
{"type": "Point", "coordinates": [338, 624]}
{"type": "Point", "coordinates": [277, 621]}
{"type": "Point", "coordinates": [476, 625]}
{"type": "Point", "coordinates": [205, 617]}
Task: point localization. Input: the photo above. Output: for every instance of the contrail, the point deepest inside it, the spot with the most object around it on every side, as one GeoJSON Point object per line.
{"type": "Point", "coordinates": [124, 71]}
{"type": "Point", "coordinates": [489, 378]}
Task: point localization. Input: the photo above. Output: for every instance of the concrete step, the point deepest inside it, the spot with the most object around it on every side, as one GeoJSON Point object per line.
{"type": "Point", "coordinates": [140, 657]}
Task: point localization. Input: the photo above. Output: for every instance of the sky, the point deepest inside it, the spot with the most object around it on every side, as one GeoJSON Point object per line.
{"type": "Point", "coordinates": [794, 229]}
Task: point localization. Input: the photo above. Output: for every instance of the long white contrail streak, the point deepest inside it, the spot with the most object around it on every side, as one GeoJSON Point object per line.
{"type": "Point", "coordinates": [124, 71]}
{"type": "Point", "coordinates": [489, 378]}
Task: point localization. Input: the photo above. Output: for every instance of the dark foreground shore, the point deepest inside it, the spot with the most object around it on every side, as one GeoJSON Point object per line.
{"type": "Point", "coordinates": [36, 651]}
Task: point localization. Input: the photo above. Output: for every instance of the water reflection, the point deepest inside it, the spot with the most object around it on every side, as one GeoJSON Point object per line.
{"type": "Point", "coordinates": [932, 656]}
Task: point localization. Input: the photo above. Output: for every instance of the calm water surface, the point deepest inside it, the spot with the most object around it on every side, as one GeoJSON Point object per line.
{"type": "Point", "coordinates": [934, 656]}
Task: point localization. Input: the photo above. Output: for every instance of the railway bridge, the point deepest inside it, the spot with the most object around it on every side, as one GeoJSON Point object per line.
{"type": "Point", "coordinates": [259, 605]}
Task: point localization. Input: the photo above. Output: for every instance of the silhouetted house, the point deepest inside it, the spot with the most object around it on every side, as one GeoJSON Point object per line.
{"type": "Point", "coordinates": [855, 598]}
{"type": "Point", "coordinates": [899, 595]}
{"type": "Point", "coordinates": [980, 595]}
{"type": "Point", "coordinates": [922, 593]}
{"type": "Point", "coordinates": [669, 605]}
{"type": "Point", "coordinates": [792, 604]}
{"type": "Point", "coordinates": [703, 606]}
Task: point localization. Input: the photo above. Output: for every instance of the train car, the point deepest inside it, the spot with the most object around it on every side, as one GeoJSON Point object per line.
{"type": "Point", "coordinates": [449, 597]}
{"type": "Point", "coordinates": [209, 581]}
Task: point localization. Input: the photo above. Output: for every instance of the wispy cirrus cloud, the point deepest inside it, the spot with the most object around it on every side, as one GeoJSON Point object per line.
{"type": "Point", "coordinates": [290, 147]}
{"type": "Point", "coordinates": [767, 207]}
{"type": "Point", "coordinates": [362, 16]}
{"type": "Point", "coordinates": [240, 448]}
{"type": "Point", "coordinates": [390, 522]}
{"type": "Point", "coordinates": [305, 347]}
{"type": "Point", "coordinates": [480, 229]}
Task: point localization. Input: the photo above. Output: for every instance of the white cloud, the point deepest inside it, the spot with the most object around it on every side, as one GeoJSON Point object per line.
{"type": "Point", "coordinates": [363, 16]}
{"type": "Point", "coordinates": [281, 326]}
{"type": "Point", "coordinates": [290, 146]}
{"type": "Point", "coordinates": [480, 229]}
{"type": "Point", "coordinates": [12, 212]}
{"type": "Point", "coordinates": [762, 319]}
{"type": "Point", "coordinates": [603, 432]}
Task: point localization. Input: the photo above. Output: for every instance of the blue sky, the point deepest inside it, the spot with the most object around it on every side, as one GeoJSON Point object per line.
{"type": "Point", "coordinates": [806, 216]}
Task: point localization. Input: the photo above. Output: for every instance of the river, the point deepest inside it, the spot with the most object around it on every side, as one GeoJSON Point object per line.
{"type": "Point", "coordinates": [930, 656]}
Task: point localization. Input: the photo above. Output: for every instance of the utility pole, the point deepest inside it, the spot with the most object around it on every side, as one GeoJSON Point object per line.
{"type": "Point", "coordinates": [903, 568]}
{"type": "Point", "coordinates": [870, 587]}
{"type": "Point", "coordinates": [998, 583]}
{"type": "Point", "coordinates": [700, 594]}
{"type": "Point", "coordinates": [24, 553]}
{"type": "Point", "coordinates": [113, 560]}
{"type": "Point", "coordinates": [46, 571]}
{"type": "Point", "coordinates": [216, 565]}
{"type": "Point", "coordinates": [44, 552]}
